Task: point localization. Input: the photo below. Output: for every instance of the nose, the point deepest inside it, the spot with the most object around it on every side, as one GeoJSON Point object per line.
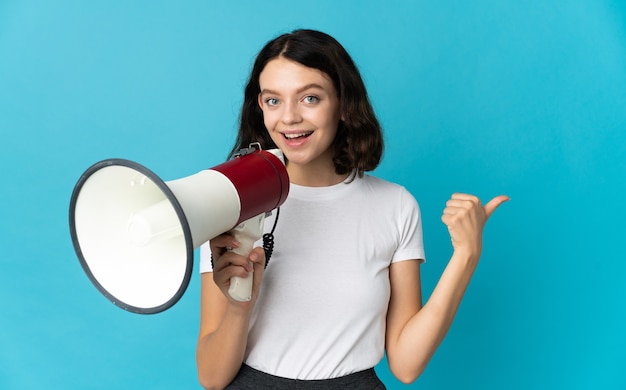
{"type": "Point", "coordinates": [291, 114]}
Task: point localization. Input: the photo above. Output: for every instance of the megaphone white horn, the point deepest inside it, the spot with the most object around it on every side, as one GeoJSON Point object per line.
{"type": "Point", "coordinates": [135, 234]}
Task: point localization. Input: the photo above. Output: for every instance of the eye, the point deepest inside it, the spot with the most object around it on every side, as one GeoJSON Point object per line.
{"type": "Point", "coordinates": [311, 99]}
{"type": "Point", "coordinates": [271, 101]}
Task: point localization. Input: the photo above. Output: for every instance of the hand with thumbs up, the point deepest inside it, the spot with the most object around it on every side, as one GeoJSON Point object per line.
{"type": "Point", "coordinates": [465, 217]}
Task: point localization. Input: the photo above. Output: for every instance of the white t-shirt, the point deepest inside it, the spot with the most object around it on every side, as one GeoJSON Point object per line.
{"type": "Point", "coordinates": [321, 311]}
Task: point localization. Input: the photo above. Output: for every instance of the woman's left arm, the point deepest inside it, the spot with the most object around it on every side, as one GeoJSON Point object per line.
{"type": "Point", "coordinates": [414, 332]}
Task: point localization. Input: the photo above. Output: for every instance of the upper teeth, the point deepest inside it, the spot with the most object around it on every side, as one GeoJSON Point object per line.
{"type": "Point", "coordinates": [296, 135]}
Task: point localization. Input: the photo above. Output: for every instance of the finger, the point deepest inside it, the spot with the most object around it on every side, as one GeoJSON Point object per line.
{"type": "Point", "coordinates": [224, 276]}
{"type": "Point", "coordinates": [461, 203]}
{"type": "Point", "coordinates": [462, 196]}
{"type": "Point", "coordinates": [458, 205]}
{"type": "Point", "coordinates": [453, 217]}
{"type": "Point", "coordinates": [446, 219]}
{"type": "Point", "coordinates": [494, 203]}
{"type": "Point", "coordinates": [231, 259]}
{"type": "Point", "coordinates": [223, 242]}
{"type": "Point", "coordinates": [257, 256]}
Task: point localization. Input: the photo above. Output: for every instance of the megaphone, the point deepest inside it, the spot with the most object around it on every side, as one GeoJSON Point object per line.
{"type": "Point", "coordinates": [135, 234]}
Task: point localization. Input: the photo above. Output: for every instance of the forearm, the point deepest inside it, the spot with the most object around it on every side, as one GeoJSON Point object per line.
{"type": "Point", "coordinates": [426, 329]}
{"type": "Point", "coordinates": [219, 354]}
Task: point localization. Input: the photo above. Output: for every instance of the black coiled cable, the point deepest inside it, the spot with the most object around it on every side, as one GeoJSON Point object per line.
{"type": "Point", "coordinates": [268, 240]}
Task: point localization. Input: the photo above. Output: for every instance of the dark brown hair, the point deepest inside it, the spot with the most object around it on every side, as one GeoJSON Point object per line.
{"type": "Point", "coordinates": [358, 144]}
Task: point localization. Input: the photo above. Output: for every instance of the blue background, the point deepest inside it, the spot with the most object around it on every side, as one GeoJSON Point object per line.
{"type": "Point", "coordinates": [526, 98]}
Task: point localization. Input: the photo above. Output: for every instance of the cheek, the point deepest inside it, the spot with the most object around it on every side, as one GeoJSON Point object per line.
{"type": "Point", "coordinates": [331, 123]}
{"type": "Point", "coordinates": [269, 119]}
{"type": "Point", "coordinates": [270, 126]}
{"type": "Point", "coordinates": [274, 136]}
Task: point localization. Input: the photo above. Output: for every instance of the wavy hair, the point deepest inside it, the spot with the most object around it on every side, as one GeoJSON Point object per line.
{"type": "Point", "coordinates": [358, 145]}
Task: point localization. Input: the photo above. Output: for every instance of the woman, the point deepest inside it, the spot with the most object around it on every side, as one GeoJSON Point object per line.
{"type": "Point", "coordinates": [343, 285]}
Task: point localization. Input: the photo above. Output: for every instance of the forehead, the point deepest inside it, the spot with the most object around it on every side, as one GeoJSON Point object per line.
{"type": "Point", "coordinates": [281, 74]}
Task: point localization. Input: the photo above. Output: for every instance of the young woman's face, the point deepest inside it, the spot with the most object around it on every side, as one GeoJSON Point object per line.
{"type": "Point", "coordinates": [301, 112]}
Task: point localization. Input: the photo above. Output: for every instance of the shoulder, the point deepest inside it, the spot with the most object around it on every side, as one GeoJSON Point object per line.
{"type": "Point", "coordinates": [378, 183]}
{"type": "Point", "coordinates": [395, 198]}
{"type": "Point", "coordinates": [386, 188]}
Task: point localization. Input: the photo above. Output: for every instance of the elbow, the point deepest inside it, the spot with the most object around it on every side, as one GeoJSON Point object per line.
{"type": "Point", "coordinates": [405, 373]}
{"type": "Point", "coordinates": [209, 380]}
{"type": "Point", "coordinates": [216, 378]}
{"type": "Point", "coordinates": [213, 379]}
{"type": "Point", "coordinates": [209, 383]}
{"type": "Point", "coordinates": [206, 383]}
{"type": "Point", "coordinates": [407, 377]}
{"type": "Point", "coordinates": [210, 377]}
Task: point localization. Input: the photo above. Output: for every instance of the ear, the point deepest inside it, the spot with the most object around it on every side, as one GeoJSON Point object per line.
{"type": "Point", "coordinates": [260, 101]}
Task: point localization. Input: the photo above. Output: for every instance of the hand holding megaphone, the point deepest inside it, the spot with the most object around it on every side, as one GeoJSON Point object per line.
{"type": "Point", "coordinates": [233, 266]}
{"type": "Point", "coordinates": [246, 233]}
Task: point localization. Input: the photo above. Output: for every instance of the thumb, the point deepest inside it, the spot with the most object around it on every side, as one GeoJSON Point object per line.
{"type": "Point", "coordinates": [494, 203]}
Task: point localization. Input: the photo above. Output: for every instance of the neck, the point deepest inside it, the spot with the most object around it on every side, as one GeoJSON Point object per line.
{"type": "Point", "coordinates": [310, 177]}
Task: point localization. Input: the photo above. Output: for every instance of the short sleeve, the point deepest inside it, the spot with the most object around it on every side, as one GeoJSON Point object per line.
{"type": "Point", "coordinates": [411, 245]}
{"type": "Point", "coordinates": [205, 258]}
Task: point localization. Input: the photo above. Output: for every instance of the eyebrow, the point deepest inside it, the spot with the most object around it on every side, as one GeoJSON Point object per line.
{"type": "Point", "coordinates": [299, 90]}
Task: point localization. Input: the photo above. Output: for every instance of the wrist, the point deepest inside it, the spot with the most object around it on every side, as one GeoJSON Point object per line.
{"type": "Point", "coordinates": [467, 256]}
{"type": "Point", "coordinates": [241, 310]}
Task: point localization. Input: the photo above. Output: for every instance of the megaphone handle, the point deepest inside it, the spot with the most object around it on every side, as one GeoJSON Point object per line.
{"type": "Point", "coordinates": [246, 233]}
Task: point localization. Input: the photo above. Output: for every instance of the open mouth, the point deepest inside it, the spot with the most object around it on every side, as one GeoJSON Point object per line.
{"type": "Point", "coordinates": [294, 136]}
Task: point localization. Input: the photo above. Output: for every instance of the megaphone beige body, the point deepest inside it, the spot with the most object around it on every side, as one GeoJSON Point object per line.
{"type": "Point", "coordinates": [135, 234]}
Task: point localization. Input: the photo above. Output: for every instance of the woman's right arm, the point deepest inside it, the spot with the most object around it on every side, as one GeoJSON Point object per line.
{"type": "Point", "coordinates": [223, 321]}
